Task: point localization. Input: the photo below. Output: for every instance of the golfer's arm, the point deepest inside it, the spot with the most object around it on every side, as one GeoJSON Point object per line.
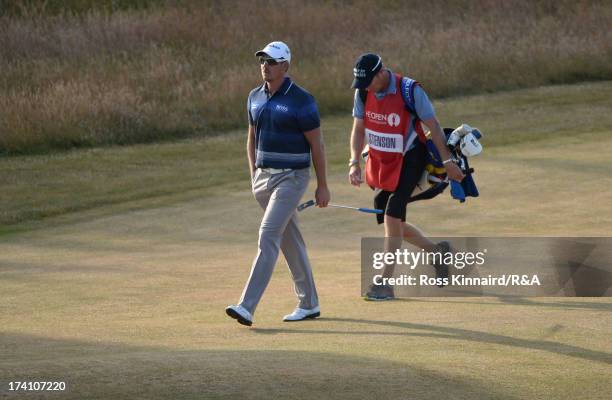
{"type": "Point", "coordinates": [357, 138]}
{"type": "Point", "coordinates": [317, 148]}
{"type": "Point", "coordinates": [437, 137]}
{"type": "Point", "coordinates": [251, 149]}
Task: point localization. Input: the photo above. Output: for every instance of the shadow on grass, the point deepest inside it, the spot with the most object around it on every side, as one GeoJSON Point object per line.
{"type": "Point", "coordinates": [423, 330]}
{"type": "Point", "coordinates": [95, 370]}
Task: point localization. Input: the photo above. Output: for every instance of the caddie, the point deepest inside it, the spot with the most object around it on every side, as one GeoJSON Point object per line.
{"type": "Point", "coordinates": [284, 134]}
{"type": "Point", "coordinates": [389, 112]}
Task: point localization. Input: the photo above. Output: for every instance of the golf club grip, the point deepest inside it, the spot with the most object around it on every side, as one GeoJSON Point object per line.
{"type": "Point", "coordinates": [306, 205]}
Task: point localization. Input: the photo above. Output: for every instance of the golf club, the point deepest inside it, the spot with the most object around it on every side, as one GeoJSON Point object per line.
{"type": "Point", "coordinates": [310, 203]}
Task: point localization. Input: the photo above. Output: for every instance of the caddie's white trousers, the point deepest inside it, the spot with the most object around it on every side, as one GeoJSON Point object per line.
{"type": "Point", "coordinates": [279, 195]}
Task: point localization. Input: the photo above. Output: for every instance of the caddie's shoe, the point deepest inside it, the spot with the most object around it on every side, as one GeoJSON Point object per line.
{"type": "Point", "coordinates": [241, 314]}
{"type": "Point", "coordinates": [379, 293]}
{"type": "Point", "coordinates": [442, 267]}
{"type": "Point", "coordinates": [300, 314]}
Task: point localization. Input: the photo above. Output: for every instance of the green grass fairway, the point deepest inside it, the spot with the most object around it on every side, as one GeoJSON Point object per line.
{"type": "Point", "coordinates": [116, 265]}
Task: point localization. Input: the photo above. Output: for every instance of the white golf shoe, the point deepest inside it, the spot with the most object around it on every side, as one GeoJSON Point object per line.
{"type": "Point", "coordinates": [241, 314]}
{"type": "Point", "coordinates": [300, 314]}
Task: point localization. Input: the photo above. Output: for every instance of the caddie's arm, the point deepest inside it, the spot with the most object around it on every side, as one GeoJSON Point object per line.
{"type": "Point", "coordinates": [317, 149]}
{"type": "Point", "coordinates": [357, 144]}
{"type": "Point", "coordinates": [437, 136]}
{"type": "Point", "coordinates": [251, 150]}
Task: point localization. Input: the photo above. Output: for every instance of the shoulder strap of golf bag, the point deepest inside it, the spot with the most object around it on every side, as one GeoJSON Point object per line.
{"type": "Point", "coordinates": [407, 86]}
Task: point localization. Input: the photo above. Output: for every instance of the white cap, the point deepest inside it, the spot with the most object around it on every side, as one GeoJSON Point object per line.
{"type": "Point", "coordinates": [276, 50]}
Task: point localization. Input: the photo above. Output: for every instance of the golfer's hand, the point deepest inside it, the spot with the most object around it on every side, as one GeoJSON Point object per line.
{"type": "Point", "coordinates": [322, 196]}
{"type": "Point", "coordinates": [454, 172]}
{"type": "Point", "coordinates": [355, 175]}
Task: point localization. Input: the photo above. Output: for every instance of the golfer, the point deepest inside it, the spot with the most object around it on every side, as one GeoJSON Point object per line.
{"type": "Point", "coordinates": [284, 133]}
{"type": "Point", "coordinates": [396, 155]}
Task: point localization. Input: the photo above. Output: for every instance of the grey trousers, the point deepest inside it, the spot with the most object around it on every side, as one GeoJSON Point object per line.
{"type": "Point", "coordinates": [279, 195]}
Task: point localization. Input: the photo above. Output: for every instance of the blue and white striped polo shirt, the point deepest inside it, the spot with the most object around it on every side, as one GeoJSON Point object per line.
{"type": "Point", "coordinates": [280, 121]}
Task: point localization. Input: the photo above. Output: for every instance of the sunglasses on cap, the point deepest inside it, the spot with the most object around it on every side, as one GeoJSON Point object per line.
{"type": "Point", "coordinates": [270, 61]}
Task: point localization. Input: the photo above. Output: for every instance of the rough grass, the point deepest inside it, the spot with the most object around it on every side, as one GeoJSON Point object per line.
{"type": "Point", "coordinates": [89, 75]}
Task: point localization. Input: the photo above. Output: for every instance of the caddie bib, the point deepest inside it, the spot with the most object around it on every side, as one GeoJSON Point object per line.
{"type": "Point", "coordinates": [386, 124]}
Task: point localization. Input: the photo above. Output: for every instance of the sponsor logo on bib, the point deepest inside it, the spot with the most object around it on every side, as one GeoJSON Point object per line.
{"type": "Point", "coordinates": [392, 119]}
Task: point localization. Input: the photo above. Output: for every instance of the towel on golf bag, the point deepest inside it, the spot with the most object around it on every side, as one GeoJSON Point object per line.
{"type": "Point", "coordinates": [467, 187]}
